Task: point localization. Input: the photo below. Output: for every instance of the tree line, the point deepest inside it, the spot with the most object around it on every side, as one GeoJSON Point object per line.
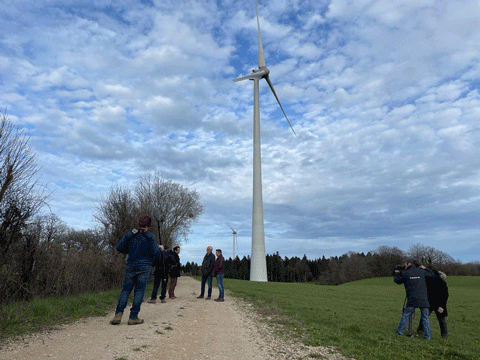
{"type": "Point", "coordinates": [341, 269]}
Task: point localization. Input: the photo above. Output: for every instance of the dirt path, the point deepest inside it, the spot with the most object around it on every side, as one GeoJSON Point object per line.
{"type": "Point", "coordinates": [184, 329]}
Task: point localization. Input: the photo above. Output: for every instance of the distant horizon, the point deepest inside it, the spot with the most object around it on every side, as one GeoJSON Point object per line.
{"type": "Point", "coordinates": [310, 259]}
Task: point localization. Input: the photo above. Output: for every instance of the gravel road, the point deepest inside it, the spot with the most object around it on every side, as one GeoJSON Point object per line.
{"type": "Point", "coordinates": [183, 329]}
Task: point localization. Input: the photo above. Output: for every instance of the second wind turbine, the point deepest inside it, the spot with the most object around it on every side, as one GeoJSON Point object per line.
{"type": "Point", "coordinates": [258, 265]}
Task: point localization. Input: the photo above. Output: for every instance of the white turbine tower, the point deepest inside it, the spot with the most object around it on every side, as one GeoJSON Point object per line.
{"type": "Point", "coordinates": [258, 267]}
{"type": "Point", "coordinates": [234, 232]}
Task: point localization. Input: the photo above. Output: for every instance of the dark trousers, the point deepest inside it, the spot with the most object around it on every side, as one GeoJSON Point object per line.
{"type": "Point", "coordinates": [441, 321]}
{"type": "Point", "coordinates": [160, 277]}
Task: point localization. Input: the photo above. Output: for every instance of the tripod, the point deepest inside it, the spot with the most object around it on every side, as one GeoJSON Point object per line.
{"type": "Point", "coordinates": [410, 319]}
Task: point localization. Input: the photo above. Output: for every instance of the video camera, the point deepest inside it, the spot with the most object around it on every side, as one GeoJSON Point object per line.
{"type": "Point", "coordinates": [399, 268]}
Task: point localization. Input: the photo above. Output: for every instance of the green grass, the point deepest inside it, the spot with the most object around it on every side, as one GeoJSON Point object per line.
{"type": "Point", "coordinates": [31, 316]}
{"type": "Point", "coordinates": [360, 318]}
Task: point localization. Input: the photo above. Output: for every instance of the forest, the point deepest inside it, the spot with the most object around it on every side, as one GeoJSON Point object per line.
{"type": "Point", "coordinates": [345, 268]}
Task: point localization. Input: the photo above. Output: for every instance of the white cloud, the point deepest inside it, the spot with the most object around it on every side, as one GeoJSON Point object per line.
{"type": "Point", "coordinates": [402, 111]}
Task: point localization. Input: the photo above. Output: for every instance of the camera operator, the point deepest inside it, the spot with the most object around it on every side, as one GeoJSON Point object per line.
{"type": "Point", "coordinates": [141, 247]}
{"type": "Point", "coordinates": [413, 279]}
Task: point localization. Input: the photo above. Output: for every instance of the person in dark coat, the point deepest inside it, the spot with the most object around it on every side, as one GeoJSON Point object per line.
{"type": "Point", "coordinates": [207, 273]}
{"type": "Point", "coordinates": [174, 271]}
{"type": "Point", "coordinates": [160, 277]}
{"type": "Point", "coordinates": [413, 279]}
{"type": "Point", "coordinates": [437, 297]}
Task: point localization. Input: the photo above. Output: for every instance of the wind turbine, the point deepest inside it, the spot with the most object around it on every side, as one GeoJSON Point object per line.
{"type": "Point", "coordinates": [258, 267]}
{"type": "Point", "coordinates": [234, 240]}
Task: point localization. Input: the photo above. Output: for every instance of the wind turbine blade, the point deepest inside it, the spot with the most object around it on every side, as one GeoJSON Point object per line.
{"type": "Point", "coordinates": [246, 77]}
{"type": "Point", "coordinates": [230, 227]}
{"type": "Point", "coordinates": [261, 56]}
{"type": "Point", "coordinates": [281, 107]}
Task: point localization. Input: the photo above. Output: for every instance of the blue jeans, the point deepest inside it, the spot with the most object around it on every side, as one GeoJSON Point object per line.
{"type": "Point", "coordinates": [206, 279]}
{"type": "Point", "coordinates": [138, 278]}
{"type": "Point", "coordinates": [424, 320]}
{"type": "Point", "coordinates": [220, 285]}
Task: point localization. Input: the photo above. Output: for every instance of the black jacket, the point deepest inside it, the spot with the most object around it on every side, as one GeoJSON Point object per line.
{"type": "Point", "coordinates": [159, 263]}
{"type": "Point", "coordinates": [173, 261]}
{"type": "Point", "coordinates": [415, 285]}
{"type": "Point", "coordinates": [437, 294]}
{"type": "Point", "coordinates": [207, 264]}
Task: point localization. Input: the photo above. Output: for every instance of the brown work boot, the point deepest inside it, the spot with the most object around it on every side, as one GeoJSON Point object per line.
{"type": "Point", "coordinates": [117, 319]}
{"type": "Point", "coordinates": [136, 321]}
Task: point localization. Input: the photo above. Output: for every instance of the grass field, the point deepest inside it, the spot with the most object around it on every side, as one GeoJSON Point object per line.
{"type": "Point", "coordinates": [24, 317]}
{"type": "Point", "coordinates": [360, 318]}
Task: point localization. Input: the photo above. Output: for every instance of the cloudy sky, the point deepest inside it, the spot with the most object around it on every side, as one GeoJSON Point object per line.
{"type": "Point", "coordinates": [384, 97]}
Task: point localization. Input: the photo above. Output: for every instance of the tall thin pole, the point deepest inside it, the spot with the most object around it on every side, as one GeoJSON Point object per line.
{"type": "Point", "coordinates": [258, 265]}
{"type": "Point", "coordinates": [159, 223]}
{"type": "Point", "coordinates": [233, 252]}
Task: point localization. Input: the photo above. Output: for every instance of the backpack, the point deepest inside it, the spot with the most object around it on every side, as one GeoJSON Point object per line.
{"type": "Point", "coordinates": [159, 261]}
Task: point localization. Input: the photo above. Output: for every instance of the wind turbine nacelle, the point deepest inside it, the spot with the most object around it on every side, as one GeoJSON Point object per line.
{"type": "Point", "coordinates": [258, 74]}
{"type": "Point", "coordinates": [262, 71]}
{"type": "Point", "coordinates": [264, 68]}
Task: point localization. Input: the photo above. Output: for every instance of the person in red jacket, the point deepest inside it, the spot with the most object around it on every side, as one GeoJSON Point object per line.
{"type": "Point", "coordinates": [219, 269]}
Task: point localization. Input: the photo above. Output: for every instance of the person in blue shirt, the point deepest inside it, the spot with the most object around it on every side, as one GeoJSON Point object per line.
{"type": "Point", "coordinates": [142, 248]}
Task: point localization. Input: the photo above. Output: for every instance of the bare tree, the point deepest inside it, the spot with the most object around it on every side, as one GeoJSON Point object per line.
{"type": "Point", "coordinates": [18, 163]}
{"type": "Point", "coordinates": [117, 213]}
{"type": "Point", "coordinates": [20, 195]}
{"type": "Point", "coordinates": [173, 207]}
{"type": "Point", "coordinates": [429, 256]}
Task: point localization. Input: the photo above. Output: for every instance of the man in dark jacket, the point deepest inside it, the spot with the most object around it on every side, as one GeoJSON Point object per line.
{"type": "Point", "coordinates": [437, 297]}
{"type": "Point", "coordinates": [416, 290]}
{"type": "Point", "coordinates": [174, 271]}
{"type": "Point", "coordinates": [207, 272]}
{"type": "Point", "coordinates": [141, 247]}
{"type": "Point", "coordinates": [160, 277]}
